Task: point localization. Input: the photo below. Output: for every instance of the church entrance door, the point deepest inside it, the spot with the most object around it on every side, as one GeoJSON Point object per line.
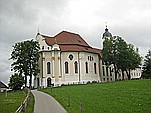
{"type": "Point", "coordinates": [49, 82]}
{"type": "Point", "coordinates": [38, 82]}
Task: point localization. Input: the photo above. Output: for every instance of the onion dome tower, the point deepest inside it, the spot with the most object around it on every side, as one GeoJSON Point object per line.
{"type": "Point", "coordinates": [107, 34]}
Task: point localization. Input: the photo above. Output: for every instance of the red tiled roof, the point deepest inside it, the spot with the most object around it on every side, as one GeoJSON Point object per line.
{"type": "Point", "coordinates": [66, 38]}
{"type": "Point", "coordinates": [68, 41]}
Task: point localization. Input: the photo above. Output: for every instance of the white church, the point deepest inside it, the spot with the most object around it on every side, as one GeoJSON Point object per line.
{"type": "Point", "coordinates": [67, 58]}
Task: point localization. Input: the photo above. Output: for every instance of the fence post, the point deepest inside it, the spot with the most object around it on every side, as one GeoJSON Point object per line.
{"type": "Point", "coordinates": [23, 107]}
{"type": "Point", "coordinates": [60, 95]}
{"type": "Point", "coordinates": [80, 107]}
{"type": "Point", "coordinates": [68, 100]}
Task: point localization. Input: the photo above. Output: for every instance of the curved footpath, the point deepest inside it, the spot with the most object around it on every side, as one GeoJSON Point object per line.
{"type": "Point", "coordinates": [45, 103]}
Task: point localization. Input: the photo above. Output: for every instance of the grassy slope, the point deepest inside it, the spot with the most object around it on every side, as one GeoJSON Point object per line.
{"type": "Point", "coordinates": [30, 106]}
{"type": "Point", "coordinates": [13, 100]}
{"type": "Point", "coordinates": [116, 97]}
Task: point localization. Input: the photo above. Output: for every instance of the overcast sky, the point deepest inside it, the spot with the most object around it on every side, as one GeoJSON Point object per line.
{"type": "Point", "coordinates": [20, 19]}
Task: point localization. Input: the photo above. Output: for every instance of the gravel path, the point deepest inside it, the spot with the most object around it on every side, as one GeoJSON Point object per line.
{"type": "Point", "coordinates": [45, 103]}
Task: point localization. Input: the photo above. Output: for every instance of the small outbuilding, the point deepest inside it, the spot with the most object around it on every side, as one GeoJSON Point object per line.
{"type": "Point", "coordinates": [3, 87]}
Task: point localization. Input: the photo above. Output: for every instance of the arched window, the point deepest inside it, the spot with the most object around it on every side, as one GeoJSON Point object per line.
{"type": "Point", "coordinates": [76, 66]}
{"type": "Point", "coordinates": [66, 67]}
{"type": "Point", "coordinates": [94, 67]}
{"type": "Point", "coordinates": [86, 67]}
{"type": "Point", "coordinates": [48, 67]}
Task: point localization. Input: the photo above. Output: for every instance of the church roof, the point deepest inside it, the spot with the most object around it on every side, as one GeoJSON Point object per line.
{"type": "Point", "coordinates": [64, 38]}
{"type": "Point", "coordinates": [68, 41]}
{"type": "Point", "coordinates": [80, 49]}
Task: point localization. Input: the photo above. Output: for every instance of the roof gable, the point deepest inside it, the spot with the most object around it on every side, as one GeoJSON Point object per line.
{"type": "Point", "coordinates": [2, 85]}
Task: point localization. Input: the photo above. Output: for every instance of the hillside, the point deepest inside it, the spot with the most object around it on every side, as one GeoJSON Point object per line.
{"type": "Point", "coordinates": [115, 97]}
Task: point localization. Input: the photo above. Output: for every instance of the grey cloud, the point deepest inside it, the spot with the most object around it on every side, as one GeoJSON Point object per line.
{"type": "Point", "coordinates": [15, 20]}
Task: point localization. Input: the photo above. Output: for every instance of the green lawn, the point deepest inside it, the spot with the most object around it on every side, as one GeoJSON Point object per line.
{"type": "Point", "coordinates": [13, 100]}
{"type": "Point", "coordinates": [115, 97]}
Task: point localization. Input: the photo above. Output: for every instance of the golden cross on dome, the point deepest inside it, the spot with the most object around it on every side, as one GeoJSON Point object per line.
{"type": "Point", "coordinates": [106, 24]}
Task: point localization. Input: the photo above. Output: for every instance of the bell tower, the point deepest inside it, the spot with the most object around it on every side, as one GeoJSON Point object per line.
{"type": "Point", "coordinates": [107, 34]}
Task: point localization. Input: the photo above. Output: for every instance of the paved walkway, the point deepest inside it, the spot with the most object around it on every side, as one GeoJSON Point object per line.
{"type": "Point", "coordinates": [45, 103]}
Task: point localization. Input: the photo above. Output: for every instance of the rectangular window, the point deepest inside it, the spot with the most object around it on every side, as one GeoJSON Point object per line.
{"type": "Point", "coordinates": [107, 74]}
{"type": "Point", "coordinates": [107, 79]}
{"type": "Point", "coordinates": [110, 71]}
{"type": "Point", "coordinates": [42, 47]}
{"type": "Point", "coordinates": [95, 68]}
{"type": "Point", "coordinates": [103, 71]}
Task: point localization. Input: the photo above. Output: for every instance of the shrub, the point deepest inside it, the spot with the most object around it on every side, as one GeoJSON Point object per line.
{"type": "Point", "coordinates": [16, 82]}
{"type": "Point", "coordinates": [94, 81]}
{"type": "Point", "coordinates": [88, 82]}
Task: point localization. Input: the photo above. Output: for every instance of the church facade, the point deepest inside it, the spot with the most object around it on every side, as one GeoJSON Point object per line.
{"type": "Point", "coordinates": [67, 58]}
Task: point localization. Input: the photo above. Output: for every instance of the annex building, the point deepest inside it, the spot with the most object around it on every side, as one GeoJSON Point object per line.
{"type": "Point", "coordinates": [67, 58]}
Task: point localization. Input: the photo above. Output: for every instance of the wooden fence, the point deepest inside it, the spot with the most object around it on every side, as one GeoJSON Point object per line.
{"type": "Point", "coordinates": [22, 107]}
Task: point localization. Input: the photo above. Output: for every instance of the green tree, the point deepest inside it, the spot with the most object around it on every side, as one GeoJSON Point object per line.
{"type": "Point", "coordinates": [109, 53]}
{"type": "Point", "coordinates": [25, 55]}
{"type": "Point", "coordinates": [16, 82]}
{"type": "Point", "coordinates": [133, 59]}
{"type": "Point", "coordinates": [114, 50]}
{"type": "Point", "coordinates": [147, 65]}
{"type": "Point", "coordinates": [122, 55]}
